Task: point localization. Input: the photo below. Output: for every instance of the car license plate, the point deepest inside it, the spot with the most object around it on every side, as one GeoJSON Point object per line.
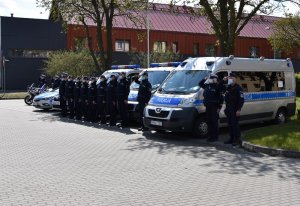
{"type": "Point", "coordinates": [156, 123]}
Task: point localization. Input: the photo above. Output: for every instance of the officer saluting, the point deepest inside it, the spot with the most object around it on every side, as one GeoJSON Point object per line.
{"type": "Point", "coordinates": [111, 99]}
{"type": "Point", "coordinates": [42, 80]}
{"type": "Point", "coordinates": [213, 101]}
{"type": "Point", "coordinates": [84, 97]}
{"type": "Point", "coordinates": [122, 98]}
{"type": "Point", "coordinates": [62, 95]}
{"type": "Point", "coordinates": [70, 96]}
{"type": "Point", "coordinates": [92, 98]}
{"type": "Point", "coordinates": [101, 99]}
{"type": "Point", "coordinates": [143, 97]}
{"type": "Point", "coordinates": [77, 103]}
{"type": "Point", "coordinates": [234, 99]}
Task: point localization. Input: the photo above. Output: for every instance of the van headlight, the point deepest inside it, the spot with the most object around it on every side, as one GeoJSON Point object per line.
{"type": "Point", "coordinates": [187, 101]}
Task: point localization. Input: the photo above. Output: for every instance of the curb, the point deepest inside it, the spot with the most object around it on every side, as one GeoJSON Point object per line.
{"type": "Point", "coordinates": [270, 151]}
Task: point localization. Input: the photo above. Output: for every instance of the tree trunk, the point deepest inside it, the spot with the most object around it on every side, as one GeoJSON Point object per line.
{"type": "Point", "coordinates": [109, 50]}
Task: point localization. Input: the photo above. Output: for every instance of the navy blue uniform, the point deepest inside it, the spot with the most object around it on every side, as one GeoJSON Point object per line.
{"type": "Point", "coordinates": [213, 101]}
{"type": "Point", "coordinates": [77, 101]}
{"type": "Point", "coordinates": [111, 97]}
{"type": "Point", "coordinates": [70, 96]}
{"type": "Point", "coordinates": [234, 99]}
{"type": "Point", "coordinates": [122, 98]}
{"type": "Point", "coordinates": [62, 97]}
{"type": "Point", "coordinates": [92, 100]}
{"type": "Point", "coordinates": [143, 97]}
{"type": "Point", "coordinates": [55, 83]}
{"type": "Point", "coordinates": [101, 101]}
{"type": "Point", "coordinates": [84, 99]}
{"type": "Point", "coordinates": [42, 82]}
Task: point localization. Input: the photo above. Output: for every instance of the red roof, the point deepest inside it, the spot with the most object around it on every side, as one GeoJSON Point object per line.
{"type": "Point", "coordinates": [162, 19]}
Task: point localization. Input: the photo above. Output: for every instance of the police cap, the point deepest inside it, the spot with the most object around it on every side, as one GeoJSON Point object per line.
{"type": "Point", "coordinates": [232, 75]}
{"type": "Point", "coordinates": [213, 76]}
{"type": "Point", "coordinates": [85, 78]}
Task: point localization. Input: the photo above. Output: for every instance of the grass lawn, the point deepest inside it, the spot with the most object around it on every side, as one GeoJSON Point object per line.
{"type": "Point", "coordinates": [285, 136]}
{"type": "Point", "coordinates": [17, 95]}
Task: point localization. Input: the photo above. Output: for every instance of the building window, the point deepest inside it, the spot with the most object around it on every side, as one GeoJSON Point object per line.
{"type": "Point", "coordinates": [175, 47]}
{"type": "Point", "coordinates": [210, 50]}
{"type": "Point", "coordinates": [80, 43]}
{"type": "Point", "coordinates": [196, 49]}
{"type": "Point", "coordinates": [261, 81]}
{"type": "Point", "coordinates": [28, 53]}
{"type": "Point", "coordinates": [122, 45]}
{"type": "Point", "coordinates": [160, 46]}
{"type": "Point", "coordinates": [254, 52]}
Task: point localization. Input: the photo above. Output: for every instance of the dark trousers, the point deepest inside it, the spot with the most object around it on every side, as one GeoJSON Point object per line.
{"type": "Point", "coordinates": [112, 111]}
{"type": "Point", "coordinates": [77, 109]}
{"type": "Point", "coordinates": [70, 102]}
{"type": "Point", "coordinates": [92, 111]}
{"type": "Point", "coordinates": [212, 118]}
{"type": "Point", "coordinates": [84, 109]}
{"type": "Point", "coordinates": [141, 107]}
{"type": "Point", "coordinates": [233, 124]}
{"type": "Point", "coordinates": [101, 110]}
{"type": "Point", "coordinates": [63, 106]}
{"type": "Point", "coordinates": [123, 111]}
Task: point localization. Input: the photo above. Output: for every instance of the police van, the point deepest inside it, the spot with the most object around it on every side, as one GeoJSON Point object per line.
{"type": "Point", "coordinates": [269, 92]}
{"type": "Point", "coordinates": [130, 70]}
{"type": "Point", "coordinates": [157, 73]}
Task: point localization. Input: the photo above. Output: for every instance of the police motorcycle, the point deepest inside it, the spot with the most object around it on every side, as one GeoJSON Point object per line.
{"type": "Point", "coordinates": [32, 92]}
{"type": "Point", "coordinates": [157, 73]}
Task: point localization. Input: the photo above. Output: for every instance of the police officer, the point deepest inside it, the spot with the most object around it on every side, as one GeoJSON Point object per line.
{"type": "Point", "coordinates": [42, 80]}
{"type": "Point", "coordinates": [62, 95]}
{"type": "Point", "coordinates": [84, 97]}
{"type": "Point", "coordinates": [92, 100]}
{"type": "Point", "coordinates": [122, 99]}
{"type": "Point", "coordinates": [101, 99]}
{"type": "Point", "coordinates": [143, 97]}
{"type": "Point", "coordinates": [77, 102]}
{"type": "Point", "coordinates": [55, 82]}
{"type": "Point", "coordinates": [70, 96]}
{"type": "Point", "coordinates": [213, 101]}
{"type": "Point", "coordinates": [234, 99]}
{"type": "Point", "coordinates": [111, 99]}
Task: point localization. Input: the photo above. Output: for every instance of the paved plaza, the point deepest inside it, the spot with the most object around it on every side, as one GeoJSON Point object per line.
{"type": "Point", "coordinates": [47, 160]}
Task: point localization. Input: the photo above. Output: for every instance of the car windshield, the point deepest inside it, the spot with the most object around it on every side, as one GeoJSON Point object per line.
{"type": "Point", "coordinates": [107, 74]}
{"type": "Point", "coordinates": [183, 81]}
{"type": "Point", "coordinates": [155, 78]}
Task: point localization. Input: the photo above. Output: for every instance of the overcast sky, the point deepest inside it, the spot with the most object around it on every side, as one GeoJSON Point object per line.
{"type": "Point", "coordinates": [28, 8]}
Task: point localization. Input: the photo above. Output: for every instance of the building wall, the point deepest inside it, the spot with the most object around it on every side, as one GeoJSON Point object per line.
{"type": "Point", "coordinates": [28, 34]}
{"type": "Point", "coordinates": [185, 41]}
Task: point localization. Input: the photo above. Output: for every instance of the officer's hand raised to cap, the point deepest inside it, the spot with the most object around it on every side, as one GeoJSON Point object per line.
{"type": "Point", "coordinates": [238, 113]}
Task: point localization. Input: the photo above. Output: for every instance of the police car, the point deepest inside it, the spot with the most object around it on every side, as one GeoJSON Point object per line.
{"type": "Point", "coordinates": [156, 75]}
{"type": "Point", "coordinates": [47, 100]}
{"type": "Point", "coordinates": [268, 85]}
{"type": "Point", "coordinates": [130, 70]}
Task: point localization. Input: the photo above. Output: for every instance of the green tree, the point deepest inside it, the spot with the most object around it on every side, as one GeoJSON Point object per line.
{"type": "Point", "coordinates": [229, 17]}
{"type": "Point", "coordinates": [75, 63]}
{"type": "Point", "coordinates": [286, 33]}
{"type": "Point", "coordinates": [138, 57]}
{"type": "Point", "coordinates": [102, 13]}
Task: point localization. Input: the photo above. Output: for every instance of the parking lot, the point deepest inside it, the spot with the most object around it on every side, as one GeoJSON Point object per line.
{"type": "Point", "coordinates": [46, 160]}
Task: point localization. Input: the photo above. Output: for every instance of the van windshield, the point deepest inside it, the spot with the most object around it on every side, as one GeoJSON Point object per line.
{"type": "Point", "coordinates": [154, 77]}
{"type": "Point", "coordinates": [183, 81]}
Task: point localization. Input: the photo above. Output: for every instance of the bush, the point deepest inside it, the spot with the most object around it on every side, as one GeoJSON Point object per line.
{"type": "Point", "coordinates": [77, 63]}
{"type": "Point", "coordinates": [298, 84]}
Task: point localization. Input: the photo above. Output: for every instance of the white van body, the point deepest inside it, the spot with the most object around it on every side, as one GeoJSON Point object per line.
{"type": "Point", "coordinates": [269, 92]}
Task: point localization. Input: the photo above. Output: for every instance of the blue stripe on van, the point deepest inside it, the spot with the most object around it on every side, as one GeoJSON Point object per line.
{"type": "Point", "coordinates": [165, 100]}
{"type": "Point", "coordinates": [249, 97]}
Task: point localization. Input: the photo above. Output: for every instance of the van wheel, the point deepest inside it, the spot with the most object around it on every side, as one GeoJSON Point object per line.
{"type": "Point", "coordinates": [281, 116]}
{"type": "Point", "coordinates": [200, 128]}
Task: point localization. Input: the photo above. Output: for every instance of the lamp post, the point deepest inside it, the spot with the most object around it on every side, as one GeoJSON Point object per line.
{"type": "Point", "coordinates": [148, 35]}
{"type": "Point", "coordinates": [274, 44]}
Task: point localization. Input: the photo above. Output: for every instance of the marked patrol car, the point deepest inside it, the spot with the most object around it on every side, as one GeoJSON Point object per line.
{"type": "Point", "coordinates": [156, 75]}
{"type": "Point", "coordinates": [269, 92]}
{"type": "Point", "coordinates": [47, 100]}
{"type": "Point", "coordinates": [130, 70]}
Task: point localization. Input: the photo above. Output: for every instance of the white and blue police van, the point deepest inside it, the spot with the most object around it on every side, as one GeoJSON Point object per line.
{"type": "Point", "coordinates": [157, 73]}
{"type": "Point", "coordinates": [268, 84]}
